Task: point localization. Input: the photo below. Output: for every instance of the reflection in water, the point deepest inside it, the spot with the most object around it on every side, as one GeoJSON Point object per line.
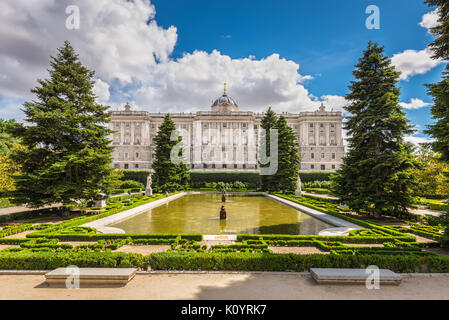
{"type": "Point", "coordinates": [198, 213]}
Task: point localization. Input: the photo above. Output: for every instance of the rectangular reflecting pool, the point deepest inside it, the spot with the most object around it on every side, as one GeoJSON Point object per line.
{"type": "Point", "coordinates": [200, 213]}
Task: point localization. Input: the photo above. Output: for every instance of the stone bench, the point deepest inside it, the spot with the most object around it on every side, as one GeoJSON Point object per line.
{"type": "Point", "coordinates": [103, 276]}
{"type": "Point", "coordinates": [352, 276]}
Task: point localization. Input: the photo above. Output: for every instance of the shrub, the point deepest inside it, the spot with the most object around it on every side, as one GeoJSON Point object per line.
{"type": "Point", "coordinates": [315, 176]}
{"type": "Point", "coordinates": [292, 262]}
{"type": "Point", "coordinates": [48, 260]}
{"type": "Point", "coordinates": [132, 184]}
{"type": "Point", "coordinates": [198, 179]}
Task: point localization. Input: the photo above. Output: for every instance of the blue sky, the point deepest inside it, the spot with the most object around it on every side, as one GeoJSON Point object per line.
{"type": "Point", "coordinates": [288, 54]}
{"type": "Point", "coordinates": [325, 38]}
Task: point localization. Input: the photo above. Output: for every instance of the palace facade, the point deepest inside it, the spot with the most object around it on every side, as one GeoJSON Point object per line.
{"type": "Point", "coordinates": [225, 138]}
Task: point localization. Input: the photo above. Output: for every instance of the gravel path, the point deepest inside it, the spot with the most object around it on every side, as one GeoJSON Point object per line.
{"type": "Point", "coordinates": [226, 286]}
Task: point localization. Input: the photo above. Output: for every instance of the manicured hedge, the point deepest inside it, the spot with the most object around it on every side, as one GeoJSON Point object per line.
{"type": "Point", "coordinates": [315, 176]}
{"type": "Point", "coordinates": [48, 260]}
{"type": "Point", "coordinates": [198, 179]}
{"type": "Point", "coordinates": [292, 262]}
{"type": "Point", "coordinates": [96, 237]}
{"type": "Point", "coordinates": [136, 175]}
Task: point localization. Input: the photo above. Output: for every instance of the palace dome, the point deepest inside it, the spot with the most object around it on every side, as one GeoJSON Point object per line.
{"type": "Point", "coordinates": [225, 99]}
{"type": "Point", "coordinates": [225, 103]}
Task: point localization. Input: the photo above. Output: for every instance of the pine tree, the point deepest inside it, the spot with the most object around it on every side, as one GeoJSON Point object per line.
{"type": "Point", "coordinates": [168, 175]}
{"type": "Point", "coordinates": [288, 159]}
{"type": "Point", "coordinates": [268, 122]}
{"type": "Point", "coordinates": [375, 176]}
{"type": "Point", "coordinates": [66, 155]}
{"type": "Point", "coordinates": [440, 91]}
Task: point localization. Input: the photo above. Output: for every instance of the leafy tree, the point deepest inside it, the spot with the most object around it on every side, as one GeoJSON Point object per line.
{"type": "Point", "coordinates": [431, 174]}
{"type": "Point", "coordinates": [7, 140]}
{"type": "Point", "coordinates": [376, 175]}
{"type": "Point", "coordinates": [8, 169]}
{"type": "Point", "coordinates": [66, 158]}
{"type": "Point", "coordinates": [268, 122]}
{"type": "Point", "coordinates": [288, 159]}
{"type": "Point", "coordinates": [168, 175]}
{"type": "Point", "coordinates": [440, 91]}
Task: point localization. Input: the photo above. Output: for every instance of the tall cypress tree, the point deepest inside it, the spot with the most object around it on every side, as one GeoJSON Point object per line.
{"type": "Point", "coordinates": [375, 176]}
{"type": "Point", "coordinates": [268, 122]}
{"type": "Point", "coordinates": [440, 90]}
{"type": "Point", "coordinates": [288, 159]}
{"type": "Point", "coordinates": [168, 175]}
{"type": "Point", "coordinates": [66, 155]}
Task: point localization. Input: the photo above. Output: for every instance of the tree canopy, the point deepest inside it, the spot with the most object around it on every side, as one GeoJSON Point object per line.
{"type": "Point", "coordinates": [66, 156]}
{"type": "Point", "coordinates": [376, 175]}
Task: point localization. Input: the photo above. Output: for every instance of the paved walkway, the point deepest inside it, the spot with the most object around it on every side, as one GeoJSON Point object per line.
{"type": "Point", "coordinates": [230, 286]}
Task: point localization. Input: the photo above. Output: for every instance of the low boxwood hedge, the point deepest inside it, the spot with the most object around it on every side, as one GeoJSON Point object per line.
{"type": "Point", "coordinates": [48, 260]}
{"type": "Point", "coordinates": [293, 262]}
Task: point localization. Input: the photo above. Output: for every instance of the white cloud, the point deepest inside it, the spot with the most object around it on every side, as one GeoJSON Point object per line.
{"type": "Point", "coordinates": [415, 103]}
{"type": "Point", "coordinates": [413, 62]}
{"type": "Point", "coordinates": [101, 89]}
{"type": "Point", "coordinates": [417, 140]}
{"type": "Point", "coordinates": [335, 102]}
{"type": "Point", "coordinates": [193, 81]}
{"type": "Point", "coordinates": [114, 39]}
{"type": "Point", "coordinates": [131, 55]}
{"type": "Point", "coordinates": [430, 20]}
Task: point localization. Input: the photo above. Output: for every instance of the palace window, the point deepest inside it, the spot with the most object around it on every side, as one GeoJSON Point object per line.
{"type": "Point", "coordinates": [323, 167]}
{"type": "Point", "coordinates": [312, 166]}
{"type": "Point", "coordinates": [312, 155]}
{"type": "Point", "coordinates": [322, 155]}
{"type": "Point", "coordinates": [333, 166]}
{"type": "Point", "coordinates": [333, 155]}
{"type": "Point", "coordinates": [136, 166]}
{"type": "Point", "coordinates": [126, 166]}
{"type": "Point", "coordinates": [311, 125]}
{"type": "Point", "coordinates": [137, 155]}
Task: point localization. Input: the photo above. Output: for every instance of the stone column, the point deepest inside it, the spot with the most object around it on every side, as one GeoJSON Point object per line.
{"type": "Point", "coordinates": [327, 128]}
{"type": "Point", "coordinates": [132, 133]}
{"type": "Point", "coordinates": [122, 132]}
{"type": "Point", "coordinates": [317, 133]}
{"type": "Point", "coordinates": [338, 134]}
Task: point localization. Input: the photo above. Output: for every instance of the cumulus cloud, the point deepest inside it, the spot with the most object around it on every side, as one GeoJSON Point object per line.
{"type": "Point", "coordinates": [119, 39]}
{"type": "Point", "coordinates": [191, 82]}
{"type": "Point", "coordinates": [101, 90]}
{"type": "Point", "coordinates": [413, 62]}
{"type": "Point", "coordinates": [414, 103]}
{"type": "Point", "coordinates": [417, 140]}
{"type": "Point", "coordinates": [131, 55]}
{"type": "Point", "coordinates": [430, 20]}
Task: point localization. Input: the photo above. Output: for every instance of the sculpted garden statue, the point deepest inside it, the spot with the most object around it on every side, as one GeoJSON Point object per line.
{"type": "Point", "coordinates": [222, 213]}
{"type": "Point", "coordinates": [223, 196]}
{"type": "Point", "coordinates": [149, 190]}
{"type": "Point", "coordinates": [298, 191]}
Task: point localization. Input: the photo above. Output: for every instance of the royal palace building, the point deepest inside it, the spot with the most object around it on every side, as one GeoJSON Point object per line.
{"type": "Point", "coordinates": [225, 138]}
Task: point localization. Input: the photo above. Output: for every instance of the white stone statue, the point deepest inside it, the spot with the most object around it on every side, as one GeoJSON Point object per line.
{"type": "Point", "coordinates": [102, 202]}
{"type": "Point", "coordinates": [149, 190]}
{"type": "Point", "coordinates": [298, 191]}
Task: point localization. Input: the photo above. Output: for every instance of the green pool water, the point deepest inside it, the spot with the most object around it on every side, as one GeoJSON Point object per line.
{"type": "Point", "coordinates": [199, 213]}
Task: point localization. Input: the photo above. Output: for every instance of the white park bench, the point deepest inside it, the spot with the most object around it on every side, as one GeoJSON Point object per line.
{"type": "Point", "coordinates": [103, 276]}
{"type": "Point", "coordinates": [352, 276]}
